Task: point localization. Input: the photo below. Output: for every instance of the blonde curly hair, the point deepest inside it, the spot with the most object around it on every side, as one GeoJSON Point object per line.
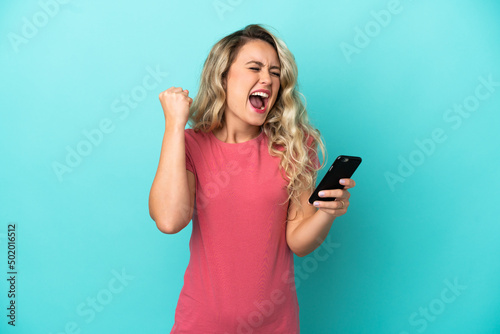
{"type": "Point", "coordinates": [287, 123]}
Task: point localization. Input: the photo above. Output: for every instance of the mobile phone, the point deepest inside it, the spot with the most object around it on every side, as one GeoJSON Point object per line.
{"type": "Point", "coordinates": [342, 168]}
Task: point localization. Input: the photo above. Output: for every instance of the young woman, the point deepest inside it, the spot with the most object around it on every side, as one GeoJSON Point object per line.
{"type": "Point", "coordinates": [243, 174]}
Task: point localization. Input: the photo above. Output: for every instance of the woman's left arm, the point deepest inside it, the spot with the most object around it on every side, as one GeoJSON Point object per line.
{"type": "Point", "coordinates": [308, 233]}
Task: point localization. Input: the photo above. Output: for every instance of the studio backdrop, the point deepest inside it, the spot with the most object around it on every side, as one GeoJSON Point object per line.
{"type": "Point", "coordinates": [413, 87]}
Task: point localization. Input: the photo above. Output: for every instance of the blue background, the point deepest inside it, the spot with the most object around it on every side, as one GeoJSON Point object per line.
{"type": "Point", "coordinates": [399, 247]}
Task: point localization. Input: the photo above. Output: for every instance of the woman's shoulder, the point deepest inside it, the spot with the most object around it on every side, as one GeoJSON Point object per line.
{"type": "Point", "coordinates": [194, 132]}
{"type": "Point", "coordinates": [196, 135]}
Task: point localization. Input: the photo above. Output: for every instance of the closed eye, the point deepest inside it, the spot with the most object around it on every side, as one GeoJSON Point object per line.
{"type": "Point", "coordinates": [257, 69]}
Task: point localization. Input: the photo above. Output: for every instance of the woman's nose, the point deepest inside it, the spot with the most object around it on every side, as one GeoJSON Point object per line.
{"type": "Point", "coordinates": [265, 77]}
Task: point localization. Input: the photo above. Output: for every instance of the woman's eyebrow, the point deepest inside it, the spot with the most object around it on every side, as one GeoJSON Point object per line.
{"type": "Point", "coordinates": [260, 64]}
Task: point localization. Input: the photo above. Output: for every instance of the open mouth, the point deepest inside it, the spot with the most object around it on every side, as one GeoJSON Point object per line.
{"type": "Point", "coordinates": [259, 100]}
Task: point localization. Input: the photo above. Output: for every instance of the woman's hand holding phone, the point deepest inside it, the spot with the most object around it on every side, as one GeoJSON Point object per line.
{"type": "Point", "coordinates": [332, 194]}
{"type": "Point", "coordinates": [339, 206]}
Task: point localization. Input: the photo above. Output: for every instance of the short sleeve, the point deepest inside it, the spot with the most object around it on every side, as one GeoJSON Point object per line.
{"type": "Point", "coordinates": [189, 158]}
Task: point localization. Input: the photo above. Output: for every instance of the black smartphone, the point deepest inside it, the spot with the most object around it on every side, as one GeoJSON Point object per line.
{"type": "Point", "coordinates": [342, 168]}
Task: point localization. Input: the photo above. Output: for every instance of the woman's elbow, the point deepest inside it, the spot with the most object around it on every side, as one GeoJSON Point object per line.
{"type": "Point", "coordinates": [168, 226]}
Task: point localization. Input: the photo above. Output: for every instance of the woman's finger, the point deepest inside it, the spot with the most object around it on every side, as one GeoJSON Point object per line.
{"type": "Point", "coordinates": [348, 183]}
{"type": "Point", "coordinates": [336, 208]}
{"type": "Point", "coordinates": [334, 193]}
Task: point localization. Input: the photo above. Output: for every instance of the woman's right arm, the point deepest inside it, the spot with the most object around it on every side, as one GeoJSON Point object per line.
{"type": "Point", "coordinates": [171, 199]}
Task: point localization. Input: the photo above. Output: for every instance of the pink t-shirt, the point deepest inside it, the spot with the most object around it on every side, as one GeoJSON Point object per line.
{"type": "Point", "coordinates": [240, 276]}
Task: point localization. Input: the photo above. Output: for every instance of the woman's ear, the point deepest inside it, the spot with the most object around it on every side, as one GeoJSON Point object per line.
{"type": "Point", "coordinates": [224, 82]}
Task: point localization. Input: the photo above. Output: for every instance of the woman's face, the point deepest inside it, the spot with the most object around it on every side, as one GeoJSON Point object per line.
{"type": "Point", "coordinates": [256, 67]}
